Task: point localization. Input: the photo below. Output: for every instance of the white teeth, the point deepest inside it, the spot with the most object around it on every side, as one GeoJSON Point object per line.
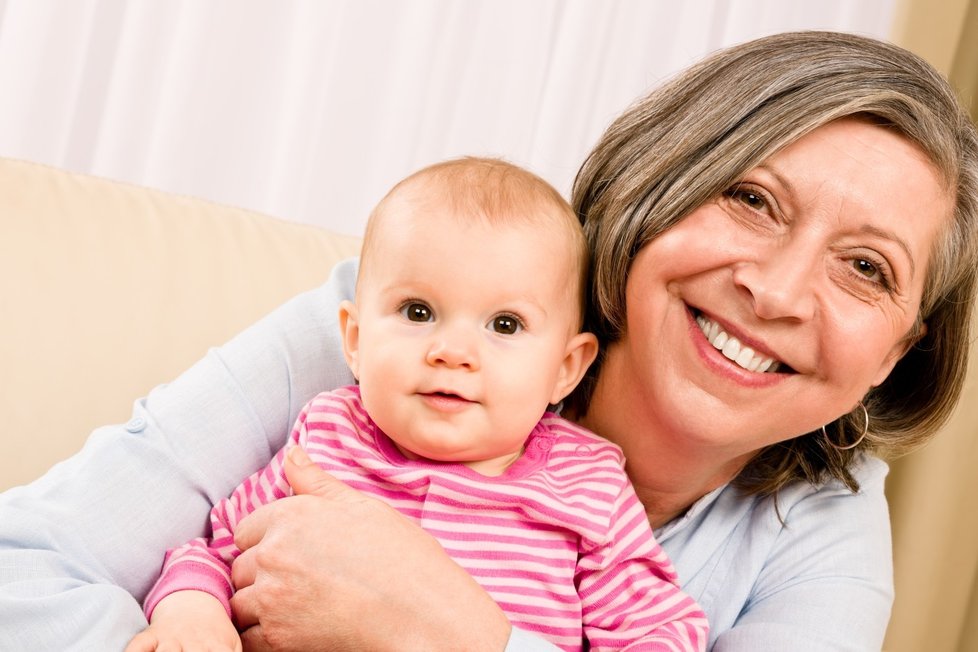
{"type": "Point", "coordinates": [732, 349]}
{"type": "Point", "coordinates": [745, 358]}
{"type": "Point", "coordinates": [719, 340]}
{"type": "Point", "coordinates": [713, 329]}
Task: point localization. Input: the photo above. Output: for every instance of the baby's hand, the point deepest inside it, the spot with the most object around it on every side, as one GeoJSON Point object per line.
{"type": "Point", "coordinates": [187, 620]}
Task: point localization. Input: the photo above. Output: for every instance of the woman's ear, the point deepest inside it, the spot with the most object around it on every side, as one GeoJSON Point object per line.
{"type": "Point", "coordinates": [581, 351]}
{"type": "Point", "coordinates": [350, 330]}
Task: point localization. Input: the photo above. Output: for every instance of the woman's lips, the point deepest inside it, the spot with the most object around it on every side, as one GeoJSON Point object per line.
{"type": "Point", "coordinates": [745, 356]}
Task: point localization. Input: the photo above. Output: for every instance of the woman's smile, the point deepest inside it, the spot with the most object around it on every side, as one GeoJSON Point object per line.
{"type": "Point", "coordinates": [736, 348]}
{"type": "Point", "coordinates": [715, 346]}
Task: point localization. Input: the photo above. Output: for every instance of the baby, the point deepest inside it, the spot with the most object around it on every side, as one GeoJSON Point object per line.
{"type": "Point", "coordinates": [466, 328]}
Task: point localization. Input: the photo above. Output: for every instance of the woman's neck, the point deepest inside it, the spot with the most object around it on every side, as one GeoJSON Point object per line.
{"type": "Point", "coordinates": [667, 493]}
{"type": "Point", "coordinates": [669, 471]}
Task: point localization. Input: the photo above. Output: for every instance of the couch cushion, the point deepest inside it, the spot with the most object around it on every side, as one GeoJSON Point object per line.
{"type": "Point", "coordinates": [108, 289]}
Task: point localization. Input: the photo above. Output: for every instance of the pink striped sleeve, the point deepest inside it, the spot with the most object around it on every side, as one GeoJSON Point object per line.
{"type": "Point", "coordinates": [204, 564]}
{"type": "Point", "coordinates": [629, 589]}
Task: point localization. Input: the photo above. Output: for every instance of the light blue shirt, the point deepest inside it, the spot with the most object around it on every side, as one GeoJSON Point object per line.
{"type": "Point", "coordinates": [78, 544]}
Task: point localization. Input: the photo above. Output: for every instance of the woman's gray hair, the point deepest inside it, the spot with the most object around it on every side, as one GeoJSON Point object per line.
{"type": "Point", "coordinates": [691, 139]}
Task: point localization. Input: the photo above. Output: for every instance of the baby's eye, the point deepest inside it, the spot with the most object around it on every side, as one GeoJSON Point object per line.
{"type": "Point", "coordinates": [417, 311]}
{"type": "Point", "coordinates": [505, 325]}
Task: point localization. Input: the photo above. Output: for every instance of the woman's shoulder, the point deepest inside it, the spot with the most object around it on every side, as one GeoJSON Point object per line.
{"type": "Point", "coordinates": [803, 512]}
{"type": "Point", "coordinates": [827, 530]}
{"type": "Point", "coordinates": [811, 544]}
{"type": "Point", "coordinates": [801, 517]}
{"type": "Point", "coordinates": [869, 472]}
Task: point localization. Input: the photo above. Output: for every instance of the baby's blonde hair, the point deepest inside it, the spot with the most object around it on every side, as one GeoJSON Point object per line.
{"type": "Point", "coordinates": [493, 190]}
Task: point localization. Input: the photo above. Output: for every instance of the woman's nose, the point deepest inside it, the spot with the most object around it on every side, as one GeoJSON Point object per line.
{"type": "Point", "coordinates": [454, 348]}
{"type": "Point", "coordinates": [781, 282]}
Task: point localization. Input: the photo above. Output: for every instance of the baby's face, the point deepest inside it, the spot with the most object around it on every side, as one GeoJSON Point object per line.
{"type": "Point", "coordinates": [463, 333]}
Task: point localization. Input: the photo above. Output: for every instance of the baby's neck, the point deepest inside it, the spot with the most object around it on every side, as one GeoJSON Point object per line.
{"type": "Point", "coordinates": [495, 466]}
{"type": "Point", "coordinates": [492, 467]}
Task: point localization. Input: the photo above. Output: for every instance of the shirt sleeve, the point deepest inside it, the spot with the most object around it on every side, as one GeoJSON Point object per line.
{"type": "Point", "coordinates": [629, 590]}
{"type": "Point", "coordinates": [81, 546]}
{"type": "Point", "coordinates": [827, 583]}
{"type": "Point", "coordinates": [204, 563]}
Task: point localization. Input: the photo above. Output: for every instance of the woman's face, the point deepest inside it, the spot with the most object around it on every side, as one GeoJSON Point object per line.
{"type": "Point", "coordinates": [772, 310]}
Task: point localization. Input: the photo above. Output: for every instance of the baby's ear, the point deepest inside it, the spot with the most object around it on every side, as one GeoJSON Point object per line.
{"type": "Point", "coordinates": [350, 330]}
{"type": "Point", "coordinates": [578, 356]}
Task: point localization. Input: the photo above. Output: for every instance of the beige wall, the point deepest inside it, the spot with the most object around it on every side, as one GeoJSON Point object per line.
{"type": "Point", "coordinates": [945, 32]}
{"type": "Point", "coordinates": [933, 492]}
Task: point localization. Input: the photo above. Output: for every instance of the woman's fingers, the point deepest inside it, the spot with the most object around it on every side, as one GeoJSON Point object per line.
{"type": "Point", "coordinates": [333, 555]}
{"type": "Point", "coordinates": [253, 640]}
{"type": "Point", "coordinates": [307, 478]}
{"type": "Point", "coordinates": [243, 601]}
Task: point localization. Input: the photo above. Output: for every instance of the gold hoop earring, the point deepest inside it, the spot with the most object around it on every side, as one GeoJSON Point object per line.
{"type": "Point", "coordinates": [855, 443]}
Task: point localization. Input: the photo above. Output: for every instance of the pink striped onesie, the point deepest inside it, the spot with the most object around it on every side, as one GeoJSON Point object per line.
{"type": "Point", "coordinates": [559, 540]}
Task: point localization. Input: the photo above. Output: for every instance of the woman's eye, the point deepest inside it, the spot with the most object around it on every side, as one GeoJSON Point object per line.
{"type": "Point", "coordinates": [873, 271]}
{"type": "Point", "coordinates": [865, 268]}
{"type": "Point", "coordinates": [416, 311]}
{"type": "Point", "coordinates": [750, 199]}
{"type": "Point", "coordinates": [505, 325]}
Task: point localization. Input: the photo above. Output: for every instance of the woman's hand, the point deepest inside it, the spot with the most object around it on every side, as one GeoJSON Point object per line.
{"type": "Point", "coordinates": [188, 620]}
{"type": "Point", "coordinates": [332, 568]}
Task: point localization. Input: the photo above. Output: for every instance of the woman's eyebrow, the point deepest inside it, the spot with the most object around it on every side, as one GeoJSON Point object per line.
{"type": "Point", "coordinates": [781, 179]}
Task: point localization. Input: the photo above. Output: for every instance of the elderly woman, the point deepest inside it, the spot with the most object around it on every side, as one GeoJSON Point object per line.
{"type": "Point", "coordinates": [785, 253]}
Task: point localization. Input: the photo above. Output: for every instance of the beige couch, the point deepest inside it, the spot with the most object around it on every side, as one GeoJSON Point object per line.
{"type": "Point", "coordinates": [107, 290]}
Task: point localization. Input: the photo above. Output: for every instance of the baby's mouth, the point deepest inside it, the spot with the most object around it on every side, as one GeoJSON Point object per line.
{"type": "Point", "coordinates": [737, 352]}
{"type": "Point", "coordinates": [447, 395]}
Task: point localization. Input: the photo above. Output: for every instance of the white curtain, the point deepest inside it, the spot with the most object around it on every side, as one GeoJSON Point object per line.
{"type": "Point", "coordinates": [310, 109]}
